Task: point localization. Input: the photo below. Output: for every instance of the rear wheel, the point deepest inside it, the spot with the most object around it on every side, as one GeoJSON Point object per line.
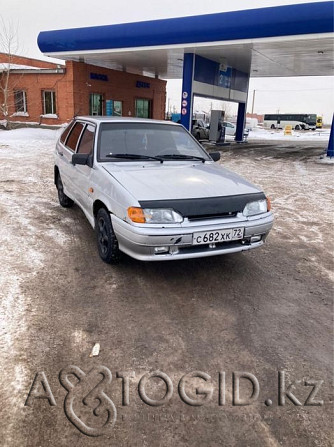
{"type": "Point", "coordinates": [106, 240]}
{"type": "Point", "coordinates": [272, 126]}
{"type": "Point", "coordinates": [64, 200]}
{"type": "Point", "coordinates": [297, 127]}
{"type": "Point", "coordinates": [197, 136]}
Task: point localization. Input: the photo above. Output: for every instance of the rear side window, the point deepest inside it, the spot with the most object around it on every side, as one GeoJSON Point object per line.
{"type": "Point", "coordinates": [66, 132]}
{"type": "Point", "coordinates": [87, 140]}
{"type": "Point", "coordinates": [72, 140]}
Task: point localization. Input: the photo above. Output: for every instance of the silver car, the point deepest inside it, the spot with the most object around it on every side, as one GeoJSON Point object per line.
{"type": "Point", "coordinates": [231, 129]}
{"type": "Point", "coordinates": [150, 190]}
{"type": "Point", "coordinates": [200, 130]}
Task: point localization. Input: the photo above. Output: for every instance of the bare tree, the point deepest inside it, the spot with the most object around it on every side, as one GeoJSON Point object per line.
{"type": "Point", "coordinates": [9, 46]}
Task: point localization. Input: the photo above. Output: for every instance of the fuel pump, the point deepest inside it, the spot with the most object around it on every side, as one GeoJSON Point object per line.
{"type": "Point", "coordinates": [217, 130]}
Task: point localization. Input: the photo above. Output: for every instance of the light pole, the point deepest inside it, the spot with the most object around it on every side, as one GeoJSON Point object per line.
{"type": "Point", "coordinates": [253, 101]}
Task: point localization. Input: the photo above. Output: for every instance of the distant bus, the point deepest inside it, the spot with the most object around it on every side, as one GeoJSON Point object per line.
{"type": "Point", "coordinates": [297, 121]}
{"type": "Point", "coordinates": [319, 122]}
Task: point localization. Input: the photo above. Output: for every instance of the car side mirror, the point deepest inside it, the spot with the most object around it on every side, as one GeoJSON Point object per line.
{"type": "Point", "coordinates": [82, 159]}
{"type": "Point", "coordinates": [215, 156]}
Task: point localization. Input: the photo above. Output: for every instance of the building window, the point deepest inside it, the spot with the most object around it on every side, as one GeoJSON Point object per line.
{"type": "Point", "coordinates": [20, 101]}
{"type": "Point", "coordinates": [117, 108]}
{"type": "Point", "coordinates": [143, 108]}
{"type": "Point", "coordinates": [49, 102]}
{"type": "Point", "coordinates": [95, 104]}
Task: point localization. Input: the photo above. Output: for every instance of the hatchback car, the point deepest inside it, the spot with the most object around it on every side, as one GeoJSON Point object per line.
{"type": "Point", "coordinates": [200, 130]}
{"type": "Point", "coordinates": [231, 129]}
{"type": "Point", "coordinates": [150, 190]}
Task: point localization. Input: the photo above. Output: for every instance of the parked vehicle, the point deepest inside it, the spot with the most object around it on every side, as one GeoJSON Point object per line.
{"type": "Point", "coordinates": [200, 130]}
{"type": "Point", "coordinates": [296, 121]}
{"type": "Point", "coordinates": [319, 122]}
{"type": "Point", "coordinates": [231, 129]}
{"type": "Point", "coordinates": [150, 190]}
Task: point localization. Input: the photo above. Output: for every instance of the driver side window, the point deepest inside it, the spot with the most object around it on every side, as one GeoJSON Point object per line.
{"type": "Point", "coordinates": [87, 140]}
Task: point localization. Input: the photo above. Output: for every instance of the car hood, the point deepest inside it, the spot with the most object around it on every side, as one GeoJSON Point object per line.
{"type": "Point", "coordinates": [174, 180]}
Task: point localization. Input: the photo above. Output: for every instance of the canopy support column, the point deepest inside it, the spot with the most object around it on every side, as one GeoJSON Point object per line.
{"type": "Point", "coordinates": [330, 149]}
{"type": "Point", "coordinates": [187, 90]}
{"type": "Point", "coordinates": [240, 122]}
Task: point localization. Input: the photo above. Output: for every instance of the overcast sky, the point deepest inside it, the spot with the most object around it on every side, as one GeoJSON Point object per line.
{"type": "Point", "coordinates": [309, 95]}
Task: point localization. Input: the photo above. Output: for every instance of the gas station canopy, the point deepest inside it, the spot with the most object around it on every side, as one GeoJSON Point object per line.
{"type": "Point", "coordinates": [293, 40]}
{"type": "Point", "coordinates": [214, 54]}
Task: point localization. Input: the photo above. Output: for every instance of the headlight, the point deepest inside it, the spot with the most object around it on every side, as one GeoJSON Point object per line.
{"type": "Point", "coordinates": [154, 215]}
{"type": "Point", "coordinates": [254, 208]}
{"type": "Point", "coordinates": [162, 215]}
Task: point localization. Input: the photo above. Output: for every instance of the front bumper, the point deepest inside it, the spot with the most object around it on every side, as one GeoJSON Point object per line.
{"type": "Point", "coordinates": [144, 242]}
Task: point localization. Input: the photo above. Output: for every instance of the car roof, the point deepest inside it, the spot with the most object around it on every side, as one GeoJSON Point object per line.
{"type": "Point", "coordinates": [122, 119]}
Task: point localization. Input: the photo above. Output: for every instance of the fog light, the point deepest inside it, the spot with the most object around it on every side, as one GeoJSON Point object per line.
{"type": "Point", "coordinates": [160, 250]}
{"type": "Point", "coordinates": [255, 238]}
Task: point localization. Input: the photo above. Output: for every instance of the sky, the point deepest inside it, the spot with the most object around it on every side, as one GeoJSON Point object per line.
{"type": "Point", "coordinates": [306, 95]}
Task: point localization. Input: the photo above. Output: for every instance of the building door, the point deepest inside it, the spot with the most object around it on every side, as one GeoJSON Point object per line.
{"type": "Point", "coordinates": [95, 104]}
{"type": "Point", "coordinates": [143, 108]}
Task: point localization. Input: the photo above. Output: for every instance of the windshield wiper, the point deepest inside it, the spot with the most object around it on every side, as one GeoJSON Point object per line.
{"type": "Point", "coordinates": [134, 157]}
{"type": "Point", "coordinates": [182, 157]}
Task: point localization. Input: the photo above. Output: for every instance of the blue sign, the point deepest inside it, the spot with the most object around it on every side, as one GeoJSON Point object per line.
{"type": "Point", "coordinates": [224, 79]}
{"type": "Point", "coordinates": [99, 77]}
{"type": "Point", "coordinates": [109, 107]}
{"type": "Point", "coordinates": [141, 84]}
{"type": "Point", "coordinates": [209, 72]}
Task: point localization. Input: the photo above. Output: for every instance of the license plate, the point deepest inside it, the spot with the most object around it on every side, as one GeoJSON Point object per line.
{"type": "Point", "coordinates": [214, 237]}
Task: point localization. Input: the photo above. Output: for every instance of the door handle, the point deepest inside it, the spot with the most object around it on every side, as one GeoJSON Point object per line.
{"type": "Point", "coordinates": [61, 154]}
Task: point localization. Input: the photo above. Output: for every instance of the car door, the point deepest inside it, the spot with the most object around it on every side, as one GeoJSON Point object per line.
{"type": "Point", "coordinates": [82, 173]}
{"type": "Point", "coordinates": [60, 147]}
{"type": "Point", "coordinates": [67, 168]}
{"type": "Point", "coordinates": [229, 128]}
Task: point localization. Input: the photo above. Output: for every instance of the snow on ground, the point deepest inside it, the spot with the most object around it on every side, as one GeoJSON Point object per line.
{"type": "Point", "coordinates": [297, 135]}
{"type": "Point", "coordinates": [301, 191]}
{"type": "Point", "coordinates": [25, 177]}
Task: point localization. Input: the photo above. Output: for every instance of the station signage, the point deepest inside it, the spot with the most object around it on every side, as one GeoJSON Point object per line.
{"type": "Point", "coordinates": [98, 77]}
{"type": "Point", "coordinates": [109, 107]}
{"type": "Point", "coordinates": [224, 78]}
{"type": "Point", "coordinates": [214, 74]}
{"type": "Point", "coordinates": [141, 84]}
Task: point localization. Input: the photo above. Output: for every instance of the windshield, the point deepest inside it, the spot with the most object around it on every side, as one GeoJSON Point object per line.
{"type": "Point", "coordinates": [311, 119]}
{"type": "Point", "coordinates": [146, 140]}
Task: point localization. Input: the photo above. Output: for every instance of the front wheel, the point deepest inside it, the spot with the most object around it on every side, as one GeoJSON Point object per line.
{"type": "Point", "coordinates": [272, 126]}
{"type": "Point", "coordinates": [64, 200]}
{"type": "Point", "coordinates": [106, 240]}
{"type": "Point", "coordinates": [297, 127]}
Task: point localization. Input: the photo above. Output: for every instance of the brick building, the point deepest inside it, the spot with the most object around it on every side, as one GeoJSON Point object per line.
{"type": "Point", "coordinates": [48, 93]}
{"type": "Point", "coordinates": [255, 116]}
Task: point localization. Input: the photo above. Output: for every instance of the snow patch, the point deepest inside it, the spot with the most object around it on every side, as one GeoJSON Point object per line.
{"type": "Point", "coordinates": [302, 135]}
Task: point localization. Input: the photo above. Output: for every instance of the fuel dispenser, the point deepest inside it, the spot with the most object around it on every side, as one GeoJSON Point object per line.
{"type": "Point", "coordinates": [217, 130]}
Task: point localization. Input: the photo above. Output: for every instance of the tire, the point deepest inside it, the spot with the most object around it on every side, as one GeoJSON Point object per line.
{"type": "Point", "coordinates": [272, 126]}
{"type": "Point", "coordinates": [297, 127]}
{"type": "Point", "coordinates": [64, 201]}
{"type": "Point", "coordinates": [106, 240]}
{"type": "Point", "coordinates": [197, 136]}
